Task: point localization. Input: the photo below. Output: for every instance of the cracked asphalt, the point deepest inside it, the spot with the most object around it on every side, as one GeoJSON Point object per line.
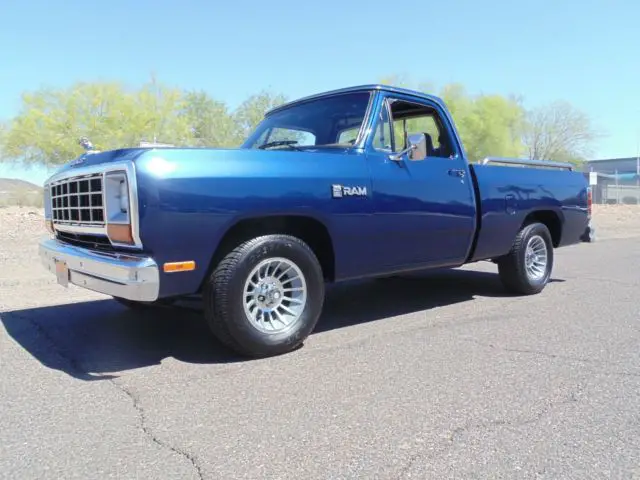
{"type": "Point", "coordinates": [439, 375]}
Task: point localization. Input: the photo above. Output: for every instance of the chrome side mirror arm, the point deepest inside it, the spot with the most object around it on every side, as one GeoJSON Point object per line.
{"type": "Point", "coordinates": [397, 157]}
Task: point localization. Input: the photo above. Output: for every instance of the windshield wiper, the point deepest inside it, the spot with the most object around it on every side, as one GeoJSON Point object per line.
{"type": "Point", "coordinates": [280, 143]}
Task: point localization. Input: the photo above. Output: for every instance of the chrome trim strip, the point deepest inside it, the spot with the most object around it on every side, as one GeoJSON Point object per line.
{"type": "Point", "coordinates": [82, 229]}
{"type": "Point", "coordinates": [88, 170]}
{"type": "Point", "coordinates": [64, 213]}
{"type": "Point", "coordinates": [365, 126]}
{"type": "Point", "coordinates": [46, 197]}
{"type": "Point", "coordinates": [134, 277]}
{"type": "Point", "coordinates": [104, 168]}
{"type": "Point", "coordinates": [527, 162]}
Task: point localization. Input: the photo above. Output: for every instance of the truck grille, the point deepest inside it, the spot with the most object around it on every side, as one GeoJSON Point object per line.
{"type": "Point", "coordinates": [90, 241]}
{"type": "Point", "coordinates": [78, 201]}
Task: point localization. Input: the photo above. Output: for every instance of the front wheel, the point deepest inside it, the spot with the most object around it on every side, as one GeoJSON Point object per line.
{"type": "Point", "coordinates": [265, 297]}
{"type": "Point", "coordinates": [526, 269]}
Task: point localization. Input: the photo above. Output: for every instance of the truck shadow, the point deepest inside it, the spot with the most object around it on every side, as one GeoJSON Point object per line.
{"type": "Point", "coordinates": [97, 340]}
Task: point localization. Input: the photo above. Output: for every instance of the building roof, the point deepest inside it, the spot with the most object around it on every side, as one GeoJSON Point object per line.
{"type": "Point", "coordinates": [614, 166]}
{"type": "Point", "coordinates": [611, 160]}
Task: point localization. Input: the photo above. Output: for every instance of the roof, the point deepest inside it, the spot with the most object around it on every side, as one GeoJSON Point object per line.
{"type": "Point", "coordinates": [360, 88]}
{"type": "Point", "coordinates": [610, 160]}
{"type": "Point", "coordinates": [615, 166]}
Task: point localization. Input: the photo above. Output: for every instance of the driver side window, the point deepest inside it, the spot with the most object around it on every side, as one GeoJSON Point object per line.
{"type": "Point", "coordinates": [411, 118]}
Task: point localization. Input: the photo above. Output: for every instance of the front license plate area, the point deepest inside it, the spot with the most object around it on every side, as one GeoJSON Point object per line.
{"type": "Point", "coordinates": [62, 273]}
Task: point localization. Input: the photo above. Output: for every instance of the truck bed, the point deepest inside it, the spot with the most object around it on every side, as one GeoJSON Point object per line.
{"type": "Point", "coordinates": [507, 195]}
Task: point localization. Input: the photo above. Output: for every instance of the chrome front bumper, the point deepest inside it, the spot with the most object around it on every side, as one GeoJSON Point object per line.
{"type": "Point", "coordinates": [121, 275]}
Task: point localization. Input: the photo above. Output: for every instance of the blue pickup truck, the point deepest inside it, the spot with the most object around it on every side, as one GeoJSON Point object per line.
{"type": "Point", "coordinates": [361, 182]}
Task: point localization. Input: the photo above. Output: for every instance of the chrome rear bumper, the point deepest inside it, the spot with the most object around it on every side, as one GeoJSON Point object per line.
{"type": "Point", "coordinates": [123, 275]}
{"type": "Point", "coordinates": [589, 235]}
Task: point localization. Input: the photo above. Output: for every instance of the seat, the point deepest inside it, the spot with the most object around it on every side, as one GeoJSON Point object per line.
{"type": "Point", "coordinates": [430, 149]}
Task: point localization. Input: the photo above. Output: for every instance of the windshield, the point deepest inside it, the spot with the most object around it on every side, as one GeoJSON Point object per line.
{"type": "Point", "coordinates": [330, 121]}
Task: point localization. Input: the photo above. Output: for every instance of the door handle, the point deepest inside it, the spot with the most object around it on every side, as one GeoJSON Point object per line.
{"type": "Point", "coordinates": [454, 172]}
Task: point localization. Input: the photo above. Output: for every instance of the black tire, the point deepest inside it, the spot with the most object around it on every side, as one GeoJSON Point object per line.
{"type": "Point", "coordinates": [135, 305]}
{"type": "Point", "coordinates": [224, 305]}
{"type": "Point", "coordinates": [513, 266]}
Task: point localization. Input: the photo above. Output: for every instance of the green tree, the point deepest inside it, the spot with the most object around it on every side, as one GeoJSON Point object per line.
{"type": "Point", "coordinates": [252, 110]}
{"type": "Point", "coordinates": [156, 116]}
{"type": "Point", "coordinates": [50, 122]}
{"type": "Point", "coordinates": [487, 124]}
{"type": "Point", "coordinates": [491, 126]}
{"type": "Point", "coordinates": [210, 122]}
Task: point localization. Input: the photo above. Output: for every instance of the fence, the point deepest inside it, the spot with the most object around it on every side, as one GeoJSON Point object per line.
{"type": "Point", "coordinates": [617, 188]}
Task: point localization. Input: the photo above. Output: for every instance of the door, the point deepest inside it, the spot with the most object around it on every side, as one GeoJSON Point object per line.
{"type": "Point", "coordinates": [424, 211]}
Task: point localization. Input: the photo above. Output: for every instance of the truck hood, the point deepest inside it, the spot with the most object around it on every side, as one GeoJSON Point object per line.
{"type": "Point", "coordinates": [191, 157]}
{"type": "Point", "coordinates": [241, 162]}
{"type": "Point", "coordinates": [91, 159]}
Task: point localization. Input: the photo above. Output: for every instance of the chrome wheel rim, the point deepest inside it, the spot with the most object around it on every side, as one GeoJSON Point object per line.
{"type": "Point", "coordinates": [536, 258]}
{"type": "Point", "coordinates": [275, 295]}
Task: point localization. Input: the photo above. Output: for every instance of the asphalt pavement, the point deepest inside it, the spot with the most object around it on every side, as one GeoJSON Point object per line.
{"type": "Point", "coordinates": [436, 376]}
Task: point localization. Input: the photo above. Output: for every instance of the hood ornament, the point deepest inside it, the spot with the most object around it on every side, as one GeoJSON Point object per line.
{"type": "Point", "coordinates": [85, 143]}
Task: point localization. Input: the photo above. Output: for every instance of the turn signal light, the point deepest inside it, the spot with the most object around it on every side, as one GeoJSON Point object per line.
{"type": "Point", "coordinates": [179, 266]}
{"type": "Point", "coordinates": [120, 233]}
{"type": "Point", "coordinates": [49, 225]}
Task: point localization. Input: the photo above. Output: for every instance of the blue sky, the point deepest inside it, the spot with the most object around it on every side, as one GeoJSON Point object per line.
{"type": "Point", "coordinates": [584, 52]}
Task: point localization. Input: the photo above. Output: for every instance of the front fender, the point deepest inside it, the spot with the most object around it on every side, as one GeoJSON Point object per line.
{"type": "Point", "coordinates": [189, 199]}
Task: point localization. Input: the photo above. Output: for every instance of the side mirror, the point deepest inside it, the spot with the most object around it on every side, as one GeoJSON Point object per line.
{"type": "Point", "coordinates": [416, 151]}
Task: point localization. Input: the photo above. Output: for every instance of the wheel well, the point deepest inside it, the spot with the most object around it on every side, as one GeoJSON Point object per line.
{"type": "Point", "coordinates": [550, 219]}
{"type": "Point", "coordinates": [307, 229]}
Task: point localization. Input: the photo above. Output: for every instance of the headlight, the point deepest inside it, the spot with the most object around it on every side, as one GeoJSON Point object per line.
{"type": "Point", "coordinates": [118, 219]}
{"type": "Point", "coordinates": [116, 192]}
{"type": "Point", "coordinates": [124, 197]}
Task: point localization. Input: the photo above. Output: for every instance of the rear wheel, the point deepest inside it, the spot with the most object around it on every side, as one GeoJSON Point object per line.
{"type": "Point", "coordinates": [527, 268]}
{"type": "Point", "coordinates": [265, 297]}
